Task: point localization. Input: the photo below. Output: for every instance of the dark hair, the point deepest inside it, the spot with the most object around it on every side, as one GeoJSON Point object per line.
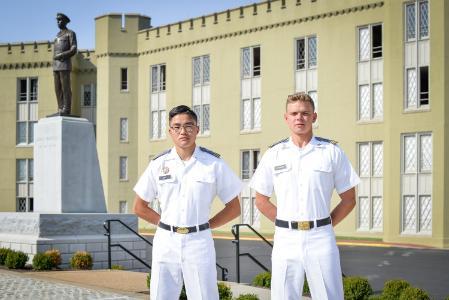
{"type": "Point", "coordinates": [182, 109]}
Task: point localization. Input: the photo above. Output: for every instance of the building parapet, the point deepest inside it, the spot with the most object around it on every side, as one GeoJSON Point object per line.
{"type": "Point", "coordinates": [156, 32]}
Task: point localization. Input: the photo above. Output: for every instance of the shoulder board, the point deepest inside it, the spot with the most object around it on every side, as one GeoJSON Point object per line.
{"type": "Point", "coordinates": [279, 142]}
{"type": "Point", "coordinates": [326, 140]}
{"type": "Point", "coordinates": [210, 152]}
{"type": "Point", "coordinates": [161, 154]}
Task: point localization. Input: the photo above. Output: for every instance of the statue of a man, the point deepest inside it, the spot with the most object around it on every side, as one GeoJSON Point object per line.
{"type": "Point", "coordinates": [64, 48]}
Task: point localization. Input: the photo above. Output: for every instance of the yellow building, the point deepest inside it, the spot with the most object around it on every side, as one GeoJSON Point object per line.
{"type": "Point", "coordinates": [376, 69]}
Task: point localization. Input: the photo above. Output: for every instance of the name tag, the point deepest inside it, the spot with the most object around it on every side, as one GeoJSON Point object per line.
{"type": "Point", "coordinates": [280, 167]}
{"type": "Point", "coordinates": [165, 177]}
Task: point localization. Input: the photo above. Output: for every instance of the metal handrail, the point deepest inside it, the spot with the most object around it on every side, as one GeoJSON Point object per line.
{"type": "Point", "coordinates": [107, 227]}
{"type": "Point", "coordinates": [224, 272]}
{"type": "Point", "coordinates": [236, 232]}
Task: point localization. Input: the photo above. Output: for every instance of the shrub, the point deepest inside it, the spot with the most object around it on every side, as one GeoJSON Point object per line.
{"type": "Point", "coordinates": [16, 260]}
{"type": "Point", "coordinates": [247, 297]}
{"type": "Point", "coordinates": [262, 280]}
{"type": "Point", "coordinates": [224, 291]}
{"type": "Point", "coordinates": [42, 261]}
{"type": "Point", "coordinates": [55, 257]}
{"type": "Point", "coordinates": [356, 288]}
{"type": "Point", "coordinates": [412, 293]}
{"type": "Point", "coordinates": [182, 296]}
{"type": "Point", "coordinates": [148, 280]}
{"type": "Point", "coordinates": [81, 260]}
{"type": "Point", "coordinates": [3, 253]}
{"type": "Point", "coordinates": [117, 267]}
{"type": "Point", "coordinates": [393, 289]}
{"type": "Point", "coordinates": [305, 288]}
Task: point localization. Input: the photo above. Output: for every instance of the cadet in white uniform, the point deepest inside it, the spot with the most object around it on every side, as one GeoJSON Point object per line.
{"type": "Point", "coordinates": [185, 180]}
{"type": "Point", "coordinates": [304, 170]}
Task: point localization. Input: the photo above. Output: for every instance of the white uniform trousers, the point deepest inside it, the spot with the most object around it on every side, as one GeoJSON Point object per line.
{"type": "Point", "coordinates": [183, 257]}
{"type": "Point", "coordinates": [312, 251]}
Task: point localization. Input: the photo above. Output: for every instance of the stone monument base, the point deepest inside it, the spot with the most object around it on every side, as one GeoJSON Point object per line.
{"type": "Point", "coordinates": [70, 232]}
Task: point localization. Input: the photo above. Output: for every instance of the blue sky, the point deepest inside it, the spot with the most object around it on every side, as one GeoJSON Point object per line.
{"type": "Point", "coordinates": [35, 20]}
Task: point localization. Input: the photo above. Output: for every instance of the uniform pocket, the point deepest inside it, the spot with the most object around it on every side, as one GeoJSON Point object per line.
{"type": "Point", "coordinates": [205, 178]}
{"type": "Point", "coordinates": [323, 167]}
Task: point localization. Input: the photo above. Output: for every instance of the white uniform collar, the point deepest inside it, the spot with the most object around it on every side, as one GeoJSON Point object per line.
{"type": "Point", "coordinates": [174, 155]}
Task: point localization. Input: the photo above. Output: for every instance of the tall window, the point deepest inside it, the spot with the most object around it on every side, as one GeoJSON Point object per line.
{"type": "Point", "coordinates": [24, 190]}
{"type": "Point", "coordinates": [251, 106]}
{"type": "Point", "coordinates": [201, 91]}
{"type": "Point", "coordinates": [416, 161]}
{"type": "Point", "coordinates": [417, 53]}
{"type": "Point", "coordinates": [370, 73]}
{"type": "Point", "coordinates": [158, 104]}
{"type": "Point", "coordinates": [89, 102]}
{"type": "Point", "coordinates": [249, 161]}
{"type": "Point", "coordinates": [306, 73]}
{"type": "Point", "coordinates": [27, 107]}
{"type": "Point", "coordinates": [123, 129]}
{"type": "Point", "coordinates": [370, 190]}
{"type": "Point", "coordinates": [124, 79]}
{"type": "Point", "coordinates": [123, 168]}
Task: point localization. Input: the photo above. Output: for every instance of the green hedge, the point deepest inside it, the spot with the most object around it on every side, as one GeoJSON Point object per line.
{"type": "Point", "coordinates": [3, 254]}
{"type": "Point", "coordinates": [413, 293]}
{"type": "Point", "coordinates": [16, 260]}
{"type": "Point", "coordinates": [224, 291]}
{"type": "Point", "coordinates": [393, 289]}
{"type": "Point", "coordinates": [81, 260]}
{"type": "Point", "coordinates": [42, 262]}
{"type": "Point", "coordinates": [262, 280]}
{"type": "Point", "coordinates": [356, 288]}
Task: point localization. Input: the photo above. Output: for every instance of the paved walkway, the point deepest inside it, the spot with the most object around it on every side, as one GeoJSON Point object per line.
{"type": "Point", "coordinates": [68, 285]}
{"type": "Point", "coordinates": [96, 284]}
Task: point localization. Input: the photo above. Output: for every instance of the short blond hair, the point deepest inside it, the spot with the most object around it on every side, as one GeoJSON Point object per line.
{"type": "Point", "coordinates": [302, 97]}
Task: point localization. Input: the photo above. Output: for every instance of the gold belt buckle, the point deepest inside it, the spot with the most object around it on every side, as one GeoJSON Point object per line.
{"type": "Point", "coordinates": [182, 230]}
{"type": "Point", "coordinates": [303, 225]}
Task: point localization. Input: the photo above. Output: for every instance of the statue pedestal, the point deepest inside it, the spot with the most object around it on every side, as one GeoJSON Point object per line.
{"type": "Point", "coordinates": [67, 175]}
{"type": "Point", "coordinates": [37, 232]}
{"type": "Point", "coordinates": [69, 205]}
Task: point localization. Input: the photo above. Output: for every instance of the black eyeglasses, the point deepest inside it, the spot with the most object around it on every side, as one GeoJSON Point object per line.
{"type": "Point", "coordinates": [189, 128]}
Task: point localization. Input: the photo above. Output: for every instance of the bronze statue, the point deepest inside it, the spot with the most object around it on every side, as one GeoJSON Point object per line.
{"type": "Point", "coordinates": [64, 48]}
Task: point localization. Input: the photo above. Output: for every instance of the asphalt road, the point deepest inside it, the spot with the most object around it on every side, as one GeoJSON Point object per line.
{"type": "Point", "coordinates": [424, 268]}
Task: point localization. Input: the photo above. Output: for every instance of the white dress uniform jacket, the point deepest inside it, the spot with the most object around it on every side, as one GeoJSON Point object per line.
{"type": "Point", "coordinates": [185, 191]}
{"type": "Point", "coordinates": [303, 180]}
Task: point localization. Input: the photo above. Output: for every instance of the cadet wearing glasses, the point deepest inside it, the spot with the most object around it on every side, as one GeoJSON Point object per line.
{"type": "Point", "coordinates": [185, 180]}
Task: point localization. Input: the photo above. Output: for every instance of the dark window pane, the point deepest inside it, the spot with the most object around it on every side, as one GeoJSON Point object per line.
{"type": "Point", "coordinates": [256, 61]}
{"type": "Point", "coordinates": [423, 85]}
{"type": "Point", "coordinates": [124, 79]}
{"type": "Point", "coordinates": [377, 41]}
{"type": "Point", "coordinates": [33, 89]}
{"type": "Point", "coordinates": [23, 90]}
{"type": "Point", "coordinates": [255, 159]}
{"type": "Point", "coordinates": [162, 78]}
{"type": "Point", "coordinates": [300, 55]}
